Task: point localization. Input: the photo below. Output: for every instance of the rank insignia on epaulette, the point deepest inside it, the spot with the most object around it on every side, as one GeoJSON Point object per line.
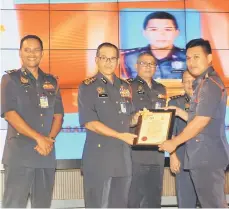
{"type": "Point", "coordinates": [89, 80]}
{"type": "Point", "coordinates": [175, 97]}
{"type": "Point", "coordinates": [11, 71]}
{"type": "Point", "coordinates": [48, 86]}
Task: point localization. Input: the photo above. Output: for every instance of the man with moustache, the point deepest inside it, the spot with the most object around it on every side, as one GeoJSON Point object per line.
{"type": "Point", "coordinates": [185, 191]}
{"type": "Point", "coordinates": [207, 150]}
{"type": "Point", "coordinates": [105, 109]}
{"type": "Point", "coordinates": [31, 104]}
{"type": "Point", "coordinates": [148, 165]}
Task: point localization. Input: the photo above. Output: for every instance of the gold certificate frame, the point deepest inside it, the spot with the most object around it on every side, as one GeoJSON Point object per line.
{"type": "Point", "coordinates": [154, 127]}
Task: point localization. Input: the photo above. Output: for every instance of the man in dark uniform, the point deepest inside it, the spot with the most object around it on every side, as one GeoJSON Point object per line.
{"type": "Point", "coordinates": [32, 106]}
{"type": "Point", "coordinates": [161, 30]}
{"type": "Point", "coordinates": [186, 195]}
{"type": "Point", "coordinates": [148, 165]}
{"type": "Point", "coordinates": [206, 149]}
{"type": "Point", "coordinates": [105, 108]}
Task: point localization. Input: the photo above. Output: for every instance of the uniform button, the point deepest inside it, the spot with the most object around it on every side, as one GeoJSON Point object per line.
{"type": "Point", "coordinates": [104, 101]}
{"type": "Point", "coordinates": [141, 99]}
{"type": "Point", "coordinates": [99, 145]}
{"type": "Point", "coordinates": [41, 114]}
{"type": "Point", "coordinates": [127, 102]}
{"type": "Point", "coordinates": [42, 125]}
{"type": "Point", "coordinates": [197, 140]}
{"type": "Point", "coordinates": [122, 122]}
{"type": "Point", "coordinates": [38, 95]}
{"type": "Point", "coordinates": [116, 102]}
{"type": "Point", "coordinates": [119, 112]}
{"type": "Point", "coordinates": [26, 91]}
{"type": "Point", "coordinates": [18, 134]}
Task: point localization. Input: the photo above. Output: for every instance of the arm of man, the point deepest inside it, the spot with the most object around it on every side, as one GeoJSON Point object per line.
{"type": "Point", "coordinates": [174, 160]}
{"type": "Point", "coordinates": [89, 118]}
{"type": "Point", "coordinates": [8, 112]}
{"type": "Point", "coordinates": [205, 111]}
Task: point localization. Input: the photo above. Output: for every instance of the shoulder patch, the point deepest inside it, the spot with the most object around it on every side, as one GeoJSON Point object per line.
{"type": "Point", "coordinates": [11, 71]}
{"type": "Point", "coordinates": [89, 80]}
{"type": "Point", "coordinates": [176, 96]}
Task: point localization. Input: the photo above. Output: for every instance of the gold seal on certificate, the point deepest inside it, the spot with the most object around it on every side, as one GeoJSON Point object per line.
{"type": "Point", "coordinates": [154, 127]}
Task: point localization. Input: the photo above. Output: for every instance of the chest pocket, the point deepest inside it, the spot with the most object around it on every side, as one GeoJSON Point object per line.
{"type": "Point", "coordinates": [26, 96]}
{"type": "Point", "coordinates": [51, 95]}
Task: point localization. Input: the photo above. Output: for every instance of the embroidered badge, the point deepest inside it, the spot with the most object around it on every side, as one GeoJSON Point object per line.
{"type": "Point", "coordinates": [100, 90]}
{"type": "Point", "coordinates": [48, 86]}
{"type": "Point", "coordinates": [140, 89]}
{"type": "Point", "coordinates": [24, 80]}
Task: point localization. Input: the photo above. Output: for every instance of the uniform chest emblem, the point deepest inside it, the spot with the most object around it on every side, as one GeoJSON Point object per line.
{"type": "Point", "coordinates": [140, 89]}
{"type": "Point", "coordinates": [48, 86]}
{"type": "Point", "coordinates": [187, 106]}
{"type": "Point", "coordinates": [24, 80]}
{"type": "Point", "coordinates": [101, 92]}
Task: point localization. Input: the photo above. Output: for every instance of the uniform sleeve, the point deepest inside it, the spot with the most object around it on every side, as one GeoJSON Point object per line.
{"type": "Point", "coordinates": [175, 131]}
{"type": "Point", "coordinates": [86, 106]}
{"type": "Point", "coordinates": [208, 99]}
{"type": "Point", "coordinates": [59, 109]}
{"type": "Point", "coordinates": [8, 95]}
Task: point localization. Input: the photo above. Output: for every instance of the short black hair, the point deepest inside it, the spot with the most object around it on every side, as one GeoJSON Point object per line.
{"type": "Point", "coordinates": [200, 42]}
{"type": "Point", "coordinates": [147, 54]}
{"type": "Point", "coordinates": [31, 37]}
{"type": "Point", "coordinates": [160, 15]}
{"type": "Point", "coordinates": [107, 44]}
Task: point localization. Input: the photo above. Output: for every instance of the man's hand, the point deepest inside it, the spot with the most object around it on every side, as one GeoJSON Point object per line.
{"type": "Point", "coordinates": [126, 137]}
{"type": "Point", "coordinates": [168, 146]}
{"type": "Point", "coordinates": [44, 145]}
{"type": "Point", "coordinates": [174, 163]}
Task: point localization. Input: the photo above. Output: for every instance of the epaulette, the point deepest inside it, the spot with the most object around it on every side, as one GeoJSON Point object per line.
{"type": "Point", "coordinates": [89, 80]}
{"type": "Point", "coordinates": [11, 71]}
{"type": "Point", "coordinates": [176, 96]}
{"type": "Point", "coordinates": [129, 51]}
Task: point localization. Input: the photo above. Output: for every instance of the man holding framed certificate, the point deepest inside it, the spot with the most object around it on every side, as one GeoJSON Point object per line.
{"type": "Point", "coordinates": [153, 128]}
{"type": "Point", "coordinates": [207, 150]}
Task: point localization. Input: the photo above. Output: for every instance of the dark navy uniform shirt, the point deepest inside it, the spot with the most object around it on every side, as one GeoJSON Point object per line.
{"type": "Point", "coordinates": [209, 148]}
{"type": "Point", "coordinates": [183, 102]}
{"type": "Point", "coordinates": [110, 104]}
{"type": "Point", "coordinates": [145, 97]}
{"type": "Point", "coordinates": [170, 67]}
{"type": "Point", "coordinates": [21, 92]}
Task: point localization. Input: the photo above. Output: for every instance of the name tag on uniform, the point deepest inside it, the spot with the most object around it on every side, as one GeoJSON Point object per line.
{"type": "Point", "coordinates": [123, 107]}
{"type": "Point", "coordinates": [44, 102]}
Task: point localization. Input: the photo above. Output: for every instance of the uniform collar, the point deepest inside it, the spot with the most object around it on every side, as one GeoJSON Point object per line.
{"type": "Point", "coordinates": [101, 77]}
{"type": "Point", "coordinates": [204, 75]}
{"type": "Point", "coordinates": [26, 73]}
{"type": "Point", "coordinates": [142, 81]}
{"type": "Point", "coordinates": [171, 54]}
